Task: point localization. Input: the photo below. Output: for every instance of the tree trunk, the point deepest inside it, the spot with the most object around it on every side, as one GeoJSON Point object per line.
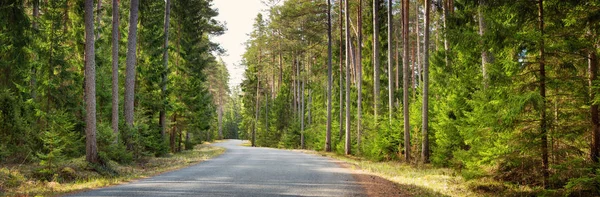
{"type": "Point", "coordinates": [341, 73]}
{"type": "Point", "coordinates": [359, 81]}
{"type": "Point", "coordinates": [390, 75]}
{"type": "Point", "coordinates": [302, 106]}
{"type": "Point", "coordinates": [163, 109]}
{"type": "Point", "coordinates": [280, 67]}
{"type": "Point", "coordinates": [91, 149]}
{"type": "Point", "coordinates": [115, 69]}
{"type": "Point", "coordinates": [347, 147]}
{"type": "Point", "coordinates": [131, 60]}
{"type": "Point", "coordinates": [173, 131]}
{"type": "Point", "coordinates": [543, 126]}
{"type": "Point", "coordinates": [329, 80]}
{"type": "Point", "coordinates": [405, 8]}
{"type": "Point", "coordinates": [484, 52]}
{"type": "Point", "coordinates": [593, 69]}
{"type": "Point", "coordinates": [220, 120]}
{"type": "Point", "coordinates": [418, 45]}
{"type": "Point", "coordinates": [36, 16]}
{"type": "Point", "coordinates": [98, 17]}
{"type": "Point", "coordinates": [425, 110]}
{"type": "Point", "coordinates": [375, 58]}
{"type": "Point", "coordinates": [445, 9]}
{"type": "Point", "coordinates": [256, 112]}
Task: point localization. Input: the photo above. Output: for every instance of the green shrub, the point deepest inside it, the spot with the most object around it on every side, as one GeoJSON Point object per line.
{"type": "Point", "coordinates": [109, 148]}
{"type": "Point", "coordinates": [58, 137]}
{"type": "Point", "coordinates": [10, 179]}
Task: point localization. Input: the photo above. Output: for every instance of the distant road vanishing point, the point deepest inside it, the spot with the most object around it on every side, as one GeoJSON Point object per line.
{"type": "Point", "coordinates": [246, 171]}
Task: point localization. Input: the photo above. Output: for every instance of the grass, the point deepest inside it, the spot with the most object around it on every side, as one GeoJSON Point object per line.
{"type": "Point", "coordinates": [22, 182]}
{"type": "Point", "coordinates": [426, 180]}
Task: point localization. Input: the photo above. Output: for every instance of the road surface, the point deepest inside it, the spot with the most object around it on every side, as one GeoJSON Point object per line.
{"type": "Point", "coordinates": [246, 171]}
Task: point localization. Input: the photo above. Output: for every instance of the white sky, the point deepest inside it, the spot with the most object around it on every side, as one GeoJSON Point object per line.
{"type": "Point", "coordinates": [238, 15]}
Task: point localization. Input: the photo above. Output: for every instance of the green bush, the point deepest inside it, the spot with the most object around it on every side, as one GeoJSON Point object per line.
{"type": "Point", "coordinates": [109, 148]}
{"type": "Point", "coordinates": [57, 139]}
{"type": "Point", "coordinates": [9, 179]}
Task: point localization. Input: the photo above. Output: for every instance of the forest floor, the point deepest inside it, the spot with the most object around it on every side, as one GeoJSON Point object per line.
{"type": "Point", "coordinates": [22, 180]}
{"type": "Point", "coordinates": [393, 177]}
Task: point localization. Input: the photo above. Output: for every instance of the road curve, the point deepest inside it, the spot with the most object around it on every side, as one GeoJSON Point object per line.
{"type": "Point", "coordinates": [246, 171]}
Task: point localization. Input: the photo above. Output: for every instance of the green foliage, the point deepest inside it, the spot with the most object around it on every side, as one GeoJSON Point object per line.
{"type": "Point", "coordinates": [9, 179]}
{"type": "Point", "coordinates": [15, 128]}
{"type": "Point", "coordinates": [109, 148]}
{"type": "Point", "coordinates": [59, 140]}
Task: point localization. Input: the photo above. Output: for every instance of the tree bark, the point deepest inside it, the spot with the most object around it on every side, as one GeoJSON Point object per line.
{"type": "Point", "coordinates": [593, 69]}
{"type": "Point", "coordinates": [98, 17]}
{"type": "Point", "coordinates": [115, 69]}
{"type": "Point", "coordinates": [445, 8]}
{"type": "Point", "coordinates": [405, 79]}
{"type": "Point", "coordinates": [163, 109]}
{"type": "Point", "coordinates": [329, 79]}
{"type": "Point", "coordinates": [418, 44]}
{"type": "Point", "coordinates": [347, 146]}
{"type": "Point", "coordinates": [359, 81]}
{"type": "Point", "coordinates": [302, 107]}
{"type": "Point", "coordinates": [543, 126]}
{"type": "Point", "coordinates": [425, 110]}
{"type": "Point", "coordinates": [341, 74]}
{"type": "Point", "coordinates": [390, 58]}
{"type": "Point", "coordinates": [375, 59]}
{"type": "Point", "coordinates": [131, 60]}
{"type": "Point", "coordinates": [256, 112]}
{"type": "Point", "coordinates": [484, 52]}
{"type": "Point", "coordinates": [36, 16]}
{"type": "Point", "coordinates": [220, 120]}
{"type": "Point", "coordinates": [90, 85]}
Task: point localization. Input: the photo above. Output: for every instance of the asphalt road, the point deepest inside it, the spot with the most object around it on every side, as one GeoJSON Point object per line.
{"type": "Point", "coordinates": [246, 171]}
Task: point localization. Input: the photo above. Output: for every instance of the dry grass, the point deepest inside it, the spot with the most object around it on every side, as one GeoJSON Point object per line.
{"type": "Point", "coordinates": [426, 180]}
{"type": "Point", "coordinates": [87, 178]}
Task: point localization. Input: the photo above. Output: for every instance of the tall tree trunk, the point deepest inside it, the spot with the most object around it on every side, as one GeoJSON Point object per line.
{"type": "Point", "coordinates": [543, 126]}
{"type": "Point", "coordinates": [172, 134]}
{"type": "Point", "coordinates": [593, 69]}
{"type": "Point", "coordinates": [484, 52]}
{"type": "Point", "coordinates": [163, 109]}
{"type": "Point", "coordinates": [329, 80]}
{"type": "Point", "coordinates": [375, 59]}
{"type": "Point", "coordinates": [341, 73]}
{"type": "Point", "coordinates": [347, 147]}
{"type": "Point", "coordinates": [36, 16]}
{"type": "Point", "coordinates": [418, 45]}
{"type": "Point", "coordinates": [91, 149]}
{"type": "Point", "coordinates": [220, 120]}
{"type": "Point", "coordinates": [302, 106]}
{"type": "Point", "coordinates": [390, 58]}
{"type": "Point", "coordinates": [425, 110]}
{"type": "Point", "coordinates": [131, 60]}
{"type": "Point", "coordinates": [115, 69]}
{"type": "Point", "coordinates": [445, 11]}
{"type": "Point", "coordinates": [405, 12]}
{"type": "Point", "coordinates": [266, 112]}
{"type": "Point", "coordinates": [98, 17]}
{"type": "Point", "coordinates": [256, 112]}
{"type": "Point", "coordinates": [359, 81]}
{"type": "Point", "coordinates": [280, 67]}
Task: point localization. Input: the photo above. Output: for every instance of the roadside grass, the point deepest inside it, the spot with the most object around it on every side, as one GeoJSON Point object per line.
{"type": "Point", "coordinates": [426, 180]}
{"type": "Point", "coordinates": [77, 175]}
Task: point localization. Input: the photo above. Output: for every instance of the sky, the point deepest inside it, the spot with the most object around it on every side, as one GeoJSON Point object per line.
{"type": "Point", "coordinates": [238, 15]}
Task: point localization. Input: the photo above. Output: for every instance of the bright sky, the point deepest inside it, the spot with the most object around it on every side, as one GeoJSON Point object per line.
{"type": "Point", "coordinates": [238, 15]}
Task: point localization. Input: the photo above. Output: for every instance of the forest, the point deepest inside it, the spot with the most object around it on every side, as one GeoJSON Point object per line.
{"type": "Point", "coordinates": [502, 90]}
{"type": "Point", "coordinates": [106, 80]}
